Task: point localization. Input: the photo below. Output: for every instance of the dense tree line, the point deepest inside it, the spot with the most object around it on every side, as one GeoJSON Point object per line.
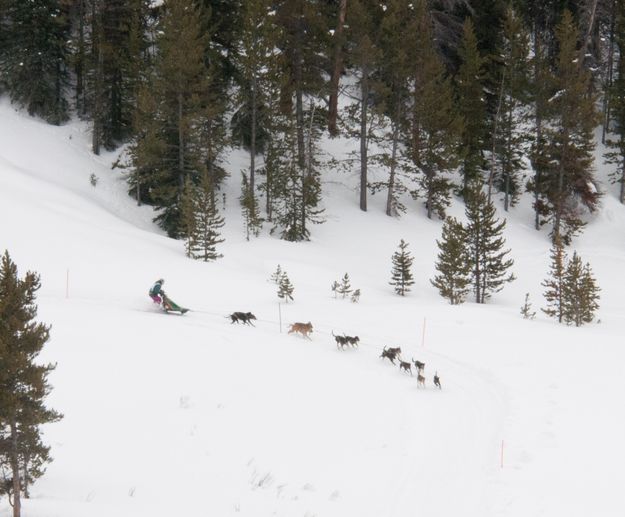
{"type": "Point", "coordinates": [439, 96]}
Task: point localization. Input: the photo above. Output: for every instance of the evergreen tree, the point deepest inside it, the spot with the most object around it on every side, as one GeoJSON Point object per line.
{"type": "Point", "coordinates": [34, 56]}
{"type": "Point", "coordinates": [345, 287]}
{"type": "Point", "coordinates": [335, 288]}
{"type": "Point", "coordinates": [202, 221]}
{"type": "Point", "coordinates": [580, 293]}
{"type": "Point", "coordinates": [356, 296]}
{"type": "Point", "coordinates": [570, 138]}
{"type": "Point", "coordinates": [295, 192]}
{"type": "Point", "coordinates": [526, 309]}
{"type": "Point", "coordinates": [616, 143]}
{"type": "Point", "coordinates": [363, 57]}
{"type": "Point", "coordinates": [510, 137]}
{"type": "Point", "coordinates": [110, 53]}
{"type": "Point", "coordinates": [553, 284]}
{"type": "Point", "coordinates": [285, 288]}
{"type": "Point", "coordinates": [401, 275]}
{"type": "Point", "coordinates": [485, 245]}
{"type": "Point", "coordinates": [471, 105]}
{"type": "Point", "coordinates": [454, 263]}
{"type": "Point", "coordinates": [257, 62]}
{"type": "Point", "coordinates": [182, 135]}
{"type": "Point", "coordinates": [398, 30]}
{"type": "Point", "coordinates": [435, 126]}
{"type": "Point", "coordinates": [23, 382]}
{"type": "Point", "coordinates": [251, 212]}
{"type": "Point", "coordinates": [277, 275]}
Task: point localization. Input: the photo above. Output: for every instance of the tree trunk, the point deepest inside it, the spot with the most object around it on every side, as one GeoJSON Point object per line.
{"type": "Point", "coordinates": [97, 104]}
{"type": "Point", "coordinates": [336, 70]}
{"type": "Point", "coordinates": [391, 180]}
{"type": "Point", "coordinates": [180, 144]}
{"type": "Point", "coordinates": [491, 176]}
{"type": "Point", "coordinates": [610, 72]}
{"type": "Point", "coordinates": [429, 174]}
{"type": "Point", "coordinates": [364, 91]}
{"type": "Point", "coordinates": [539, 128]}
{"type": "Point", "coordinates": [253, 136]}
{"type": "Point", "coordinates": [15, 471]}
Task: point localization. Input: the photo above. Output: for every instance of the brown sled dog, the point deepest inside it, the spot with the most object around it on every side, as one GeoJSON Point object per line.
{"type": "Point", "coordinates": [301, 328]}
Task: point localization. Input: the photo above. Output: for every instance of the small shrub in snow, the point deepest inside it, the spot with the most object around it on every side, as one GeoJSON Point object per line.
{"type": "Point", "coordinates": [526, 309]}
{"type": "Point", "coordinates": [93, 179]}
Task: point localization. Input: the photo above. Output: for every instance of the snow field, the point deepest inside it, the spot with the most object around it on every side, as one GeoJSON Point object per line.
{"type": "Point", "coordinates": [168, 414]}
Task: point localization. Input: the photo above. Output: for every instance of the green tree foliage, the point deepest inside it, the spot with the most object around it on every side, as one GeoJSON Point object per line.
{"type": "Point", "coordinates": [570, 185]}
{"type": "Point", "coordinates": [485, 245]}
{"type": "Point", "coordinates": [435, 126]}
{"type": "Point", "coordinates": [616, 141]}
{"type": "Point", "coordinates": [34, 56]}
{"type": "Point", "coordinates": [178, 120]}
{"type": "Point", "coordinates": [249, 205]}
{"type": "Point", "coordinates": [401, 274]}
{"type": "Point", "coordinates": [512, 117]}
{"type": "Point", "coordinates": [471, 106]}
{"type": "Point", "coordinates": [345, 287]}
{"type": "Point", "coordinates": [201, 220]}
{"type": "Point", "coordinates": [454, 264]}
{"type": "Point", "coordinates": [257, 63]}
{"type": "Point", "coordinates": [277, 275]}
{"type": "Point", "coordinates": [285, 288]}
{"type": "Point", "coordinates": [363, 116]}
{"type": "Point", "coordinates": [580, 293]}
{"type": "Point", "coordinates": [110, 53]}
{"type": "Point", "coordinates": [23, 383]}
{"type": "Point", "coordinates": [526, 309]}
{"type": "Point", "coordinates": [554, 283]}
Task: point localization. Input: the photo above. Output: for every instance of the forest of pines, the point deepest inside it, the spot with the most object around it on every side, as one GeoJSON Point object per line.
{"type": "Point", "coordinates": [439, 98]}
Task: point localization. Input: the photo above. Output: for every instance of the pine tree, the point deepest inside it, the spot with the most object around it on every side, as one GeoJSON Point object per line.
{"type": "Point", "coordinates": [345, 287]}
{"type": "Point", "coordinates": [454, 263]}
{"type": "Point", "coordinates": [398, 30]}
{"type": "Point", "coordinates": [471, 105]}
{"type": "Point", "coordinates": [277, 275]}
{"type": "Point", "coordinates": [579, 293]}
{"type": "Point", "coordinates": [110, 53]}
{"type": "Point", "coordinates": [526, 309]}
{"type": "Point", "coordinates": [179, 120]}
{"type": "Point", "coordinates": [257, 61]}
{"type": "Point", "coordinates": [485, 245]}
{"type": "Point", "coordinates": [23, 381]}
{"type": "Point", "coordinates": [363, 117]}
{"type": "Point", "coordinates": [553, 284]}
{"type": "Point", "coordinates": [335, 288]}
{"type": "Point", "coordinates": [34, 56]}
{"type": "Point", "coordinates": [356, 296]}
{"type": "Point", "coordinates": [510, 136]}
{"type": "Point", "coordinates": [435, 126]}
{"type": "Point", "coordinates": [616, 143]}
{"type": "Point", "coordinates": [285, 288]}
{"type": "Point", "coordinates": [401, 275]}
{"type": "Point", "coordinates": [202, 221]}
{"type": "Point", "coordinates": [570, 138]}
{"type": "Point", "coordinates": [251, 212]}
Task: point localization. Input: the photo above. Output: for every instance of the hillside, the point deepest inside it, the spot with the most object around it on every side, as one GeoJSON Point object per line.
{"type": "Point", "coordinates": [194, 416]}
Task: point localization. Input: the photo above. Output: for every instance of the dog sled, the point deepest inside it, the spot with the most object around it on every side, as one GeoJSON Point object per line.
{"type": "Point", "coordinates": [169, 305]}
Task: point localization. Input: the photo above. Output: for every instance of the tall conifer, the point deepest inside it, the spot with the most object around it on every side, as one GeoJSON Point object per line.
{"type": "Point", "coordinates": [23, 381]}
{"type": "Point", "coordinates": [454, 263]}
{"type": "Point", "coordinates": [401, 274]}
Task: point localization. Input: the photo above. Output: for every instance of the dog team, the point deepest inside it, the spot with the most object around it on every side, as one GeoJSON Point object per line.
{"type": "Point", "coordinates": [344, 341]}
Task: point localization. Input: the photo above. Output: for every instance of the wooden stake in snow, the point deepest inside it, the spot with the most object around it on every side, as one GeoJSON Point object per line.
{"type": "Point", "coordinates": [423, 334]}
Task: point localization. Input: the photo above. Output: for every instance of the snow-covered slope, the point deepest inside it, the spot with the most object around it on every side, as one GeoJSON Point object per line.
{"type": "Point", "coordinates": [170, 415]}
